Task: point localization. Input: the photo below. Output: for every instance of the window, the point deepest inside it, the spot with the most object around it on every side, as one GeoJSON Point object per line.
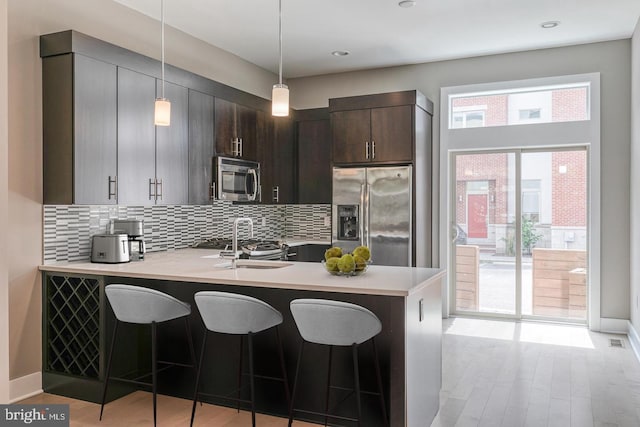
{"type": "Point", "coordinates": [533, 113]}
{"type": "Point", "coordinates": [531, 200]}
{"type": "Point", "coordinates": [525, 105]}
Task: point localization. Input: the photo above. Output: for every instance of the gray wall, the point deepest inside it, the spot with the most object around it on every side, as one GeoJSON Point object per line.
{"type": "Point", "coordinates": [611, 59]}
{"type": "Point", "coordinates": [635, 179]}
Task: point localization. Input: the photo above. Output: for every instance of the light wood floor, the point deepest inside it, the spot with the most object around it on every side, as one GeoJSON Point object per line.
{"type": "Point", "coordinates": [135, 409]}
{"type": "Point", "coordinates": [535, 375]}
{"type": "Point", "coordinates": [495, 373]}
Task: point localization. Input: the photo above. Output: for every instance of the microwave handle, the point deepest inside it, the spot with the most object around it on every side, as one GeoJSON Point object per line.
{"type": "Point", "coordinates": [256, 184]}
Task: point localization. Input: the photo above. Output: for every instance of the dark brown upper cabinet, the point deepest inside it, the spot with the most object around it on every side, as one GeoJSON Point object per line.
{"type": "Point", "coordinates": [79, 134]}
{"type": "Point", "coordinates": [377, 128]}
{"type": "Point", "coordinates": [201, 147]}
{"type": "Point", "coordinates": [276, 157]}
{"type": "Point", "coordinates": [235, 128]}
{"type": "Point", "coordinates": [313, 141]}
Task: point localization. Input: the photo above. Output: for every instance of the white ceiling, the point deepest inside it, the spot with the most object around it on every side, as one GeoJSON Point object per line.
{"type": "Point", "coordinates": [379, 33]}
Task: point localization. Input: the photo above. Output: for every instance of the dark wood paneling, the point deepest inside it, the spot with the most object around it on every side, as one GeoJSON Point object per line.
{"type": "Point", "coordinates": [247, 131]}
{"type": "Point", "coordinates": [409, 97]}
{"type": "Point", "coordinates": [172, 148]}
{"type": "Point", "coordinates": [314, 161]}
{"type": "Point", "coordinates": [392, 132]}
{"type": "Point", "coordinates": [310, 114]}
{"type": "Point", "coordinates": [201, 147]}
{"type": "Point", "coordinates": [350, 131]}
{"type": "Point", "coordinates": [57, 128]}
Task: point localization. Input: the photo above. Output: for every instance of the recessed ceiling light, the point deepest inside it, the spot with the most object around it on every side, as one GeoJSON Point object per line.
{"type": "Point", "coordinates": [340, 53]}
{"type": "Point", "coordinates": [407, 3]}
{"type": "Point", "coordinates": [550, 24]}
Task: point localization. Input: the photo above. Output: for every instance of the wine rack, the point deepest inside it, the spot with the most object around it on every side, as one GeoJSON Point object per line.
{"type": "Point", "coordinates": [72, 325]}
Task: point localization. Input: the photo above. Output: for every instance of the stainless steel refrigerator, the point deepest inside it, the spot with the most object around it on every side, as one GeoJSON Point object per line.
{"type": "Point", "coordinates": [373, 207]}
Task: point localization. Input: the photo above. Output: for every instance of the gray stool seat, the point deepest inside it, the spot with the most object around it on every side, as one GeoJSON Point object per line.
{"type": "Point", "coordinates": [139, 305]}
{"type": "Point", "coordinates": [336, 323]}
{"type": "Point", "coordinates": [134, 304]}
{"type": "Point", "coordinates": [235, 314]}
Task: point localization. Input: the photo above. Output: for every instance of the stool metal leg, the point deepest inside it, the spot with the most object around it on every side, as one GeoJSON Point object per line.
{"type": "Point", "coordinates": [192, 349]}
{"type": "Point", "coordinates": [295, 382]}
{"type": "Point", "coordinates": [106, 379]}
{"type": "Point", "coordinates": [357, 380]}
{"type": "Point", "coordinates": [283, 367]}
{"type": "Point", "coordinates": [154, 368]}
{"type": "Point", "coordinates": [240, 372]}
{"type": "Point", "coordinates": [251, 385]}
{"type": "Point", "coordinates": [195, 392]}
{"type": "Point", "coordinates": [379, 379]}
{"type": "Point", "coordinates": [326, 396]}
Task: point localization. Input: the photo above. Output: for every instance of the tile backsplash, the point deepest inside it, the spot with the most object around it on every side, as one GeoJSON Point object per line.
{"type": "Point", "coordinates": [68, 228]}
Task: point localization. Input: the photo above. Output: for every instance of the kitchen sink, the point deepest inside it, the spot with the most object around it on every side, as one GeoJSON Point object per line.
{"type": "Point", "coordinates": [253, 264]}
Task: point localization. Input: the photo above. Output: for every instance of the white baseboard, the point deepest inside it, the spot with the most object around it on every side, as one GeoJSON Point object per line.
{"type": "Point", "coordinates": [634, 339]}
{"type": "Point", "coordinates": [614, 326]}
{"type": "Point", "coordinates": [24, 387]}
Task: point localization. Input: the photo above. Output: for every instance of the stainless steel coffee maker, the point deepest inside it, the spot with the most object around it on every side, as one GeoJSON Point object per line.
{"type": "Point", "coordinates": [134, 228]}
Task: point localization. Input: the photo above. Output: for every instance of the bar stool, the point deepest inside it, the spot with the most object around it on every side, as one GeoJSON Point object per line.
{"type": "Point", "coordinates": [236, 314]}
{"type": "Point", "coordinates": [336, 323]}
{"type": "Point", "coordinates": [139, 305]}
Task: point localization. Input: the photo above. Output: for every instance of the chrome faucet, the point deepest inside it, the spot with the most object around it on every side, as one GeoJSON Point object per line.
{"type": "Point", "coordinates": [233, 253]}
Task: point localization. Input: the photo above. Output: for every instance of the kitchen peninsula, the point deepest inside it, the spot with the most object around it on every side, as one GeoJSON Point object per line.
{"type": "Point", "coordinates": [78, 320]}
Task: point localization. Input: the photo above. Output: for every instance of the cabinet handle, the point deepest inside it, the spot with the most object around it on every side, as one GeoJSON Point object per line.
{"type": "Point", "coordinates": [113, 181]}
{"type": "Point", "coordinates": [152, 188]}
{"type": "Point", "coordinates": [212, 191]}
{"type": "Point", "coordinates": [158, 193]}
{"type": "Point", "coordinates": [276, 193]}
{"type": "Point", "coordinates": [236, 147]}
{"type": "Point", "coordinates": [373, 149]}
{"type": "Point", "coordinates": [241, 146]}
{"type": "Point", "coordinates": [366, 149]}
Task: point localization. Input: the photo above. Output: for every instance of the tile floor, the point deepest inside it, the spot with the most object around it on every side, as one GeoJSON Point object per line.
{"type": "Point", "coordinates": [502, 373]}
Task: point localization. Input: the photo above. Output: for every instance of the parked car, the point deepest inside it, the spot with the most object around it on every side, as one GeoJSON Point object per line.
{"type": "Point", "coordinates": [461, 236]}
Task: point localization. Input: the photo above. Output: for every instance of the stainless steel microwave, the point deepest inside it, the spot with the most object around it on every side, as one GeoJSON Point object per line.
{"type": "Point", "coordinates": [236, 179]}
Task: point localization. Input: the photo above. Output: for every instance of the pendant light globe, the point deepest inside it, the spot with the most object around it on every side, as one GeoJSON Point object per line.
{"type": "Point", "coordinates": [280, 92]}
{"type": "Point", "coordinates": [162, 112]}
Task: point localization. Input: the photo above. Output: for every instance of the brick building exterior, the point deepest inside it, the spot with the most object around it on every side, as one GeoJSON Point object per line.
{"type": "Point", "coordinates": [554, 183]}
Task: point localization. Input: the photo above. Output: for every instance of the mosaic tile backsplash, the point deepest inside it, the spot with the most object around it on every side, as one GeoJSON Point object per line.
{"type": "Point", "coordinates": [68, 228]}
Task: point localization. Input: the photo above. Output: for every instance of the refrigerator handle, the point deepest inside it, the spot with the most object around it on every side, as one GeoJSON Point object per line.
{"type": "Point", "coordinates": [362, 214]}
{"type": "Point", "coordinates": [367, 231]}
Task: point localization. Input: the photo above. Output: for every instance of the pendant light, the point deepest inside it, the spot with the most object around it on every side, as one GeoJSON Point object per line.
{"type": "Point", "coordinates": [163, 106]}
{"type": "Point", "coordinates": [280, 93]}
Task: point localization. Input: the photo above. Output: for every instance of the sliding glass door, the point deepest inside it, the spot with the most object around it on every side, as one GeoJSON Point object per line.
{"type": "Point", "coordinates": [520, 233]}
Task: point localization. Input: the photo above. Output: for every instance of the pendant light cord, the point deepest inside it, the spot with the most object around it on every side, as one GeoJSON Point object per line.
{"type": "Point", "coordinates": [280, 32]}
{"type": "Point", "coordinates": [162, 41]}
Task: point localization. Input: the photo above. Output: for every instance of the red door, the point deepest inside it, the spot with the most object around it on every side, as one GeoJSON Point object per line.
{"type": "Point", "coordinates": [477, 215]}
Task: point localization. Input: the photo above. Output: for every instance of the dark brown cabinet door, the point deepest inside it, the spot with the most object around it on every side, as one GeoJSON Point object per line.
{"type": "Point", "coordinates": [246, 121]}
{"type": "Point", "coordinates": [314, 161]}
{"type": "Point", "coordinates": [225, 127]}
{"type": "Point", "coordinates": [282, 190]}
{"type": "Point", "coordinates": [95, 131]}
{"type": "Point", "coordinates": [351, 131]}
{"type": "Point", "coordinates": [392, 134]}
{"type": "Point", "coordinates": [201, 147]}
{"type": "Point", "coordinates": [172, 149]}
{"type": "Point", "coordinates": [235, 121]}
{"type": "Point", "coordinates": [136, 138]}
{"type": "Point", "coordinates": [275, 154]}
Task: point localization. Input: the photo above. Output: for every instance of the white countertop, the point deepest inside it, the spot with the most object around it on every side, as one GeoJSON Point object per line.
{"type": "Point", "coordinates": [199, 265]}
